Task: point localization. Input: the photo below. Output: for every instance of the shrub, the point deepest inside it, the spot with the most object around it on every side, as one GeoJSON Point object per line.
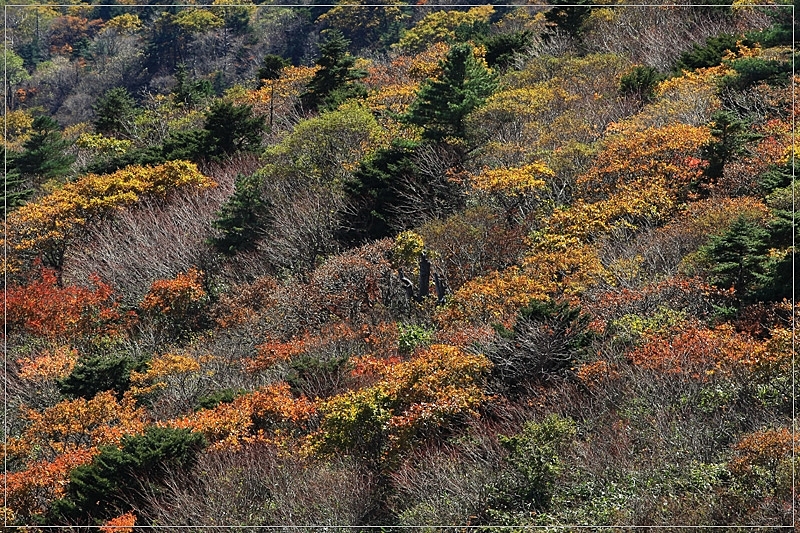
{"type": "Point", "coordinates": [98, 490]}
{"type": "Point", "coordinates": [546, 341]}
{"type": "Point", "coordinates": [641, 81]}
{"type": "Point", "coordinates": [97, 374]}
{"type": "Point", "coordinates": [533, 458]}
{"type": "Point", "coordinates": [708, 55]}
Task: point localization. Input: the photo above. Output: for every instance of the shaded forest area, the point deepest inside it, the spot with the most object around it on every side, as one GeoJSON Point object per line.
{"type": "Point", "coordinates": [459, 267]}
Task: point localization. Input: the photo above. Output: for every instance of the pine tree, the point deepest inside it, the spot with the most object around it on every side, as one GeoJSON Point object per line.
{"type": "Point", "coordinates": [568, 16]}
{"type": "Point", "coordinates": [730, 136]}
{"type": "Point", "coordinates": [501, 49]}
{"type": "Point", "coordinates": [738, 256]}
{"type": "Point", "coordinates": [336, 79]}
{"type": "Point", "coordinates": [443, 104]}
{"type": "Point", "coordinates": [242, 219]}
{"type": "Point", "coordinates": [114, 478]}
{"type": "Point", "coordinates": [15, 189]}
{"type": "Point", "coordinates": [114, 110]}
{"type": "Point", "coordinates": [232, 128]}
{"type": "Point", "coordinates": [641, 82]}
{"type": "Point", "coordinates": [98, 374]}
{"type": "Point", "coordinates": [372, 192]}
{"type": "Point", "coordinates": [43, 154]}
{"type": "Point", "coordinates": [190, 92]}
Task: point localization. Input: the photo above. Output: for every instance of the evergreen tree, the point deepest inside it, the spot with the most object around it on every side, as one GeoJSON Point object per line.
{"type": "Point", "coordinates": [190, 92]}
{"type": "Point", "coordinates": [191, 145]}
{"type": "Point", "coordinates": [568, 16]}
{"type": "Point", "coordinates": [242, 218]}
{"type": "Point", "coordinates": [372, 192]}
{"type": "Point", "coordinates": [15, 189]}
{"type": "Point", "coordinates": [501, 49]}
{"type": "Point", "coordinates": [641, 82]}
{"type": "Point", "coordinates": [232, 128]}
{"type": "Point", "coordinates": [43, 156]}
{"type": "Point", "coordinates": [97, 374]}
{"type": "Point", "coordinates": [708, 55]}
{"type": "Point", "coordinates": [114, 110]}
{"type": "Point", "coordinates": [730, 136]}
{"type": "Point", "coordinates": [738, 257]}
{"type": "Point", "coordinates": [335, 81]}
{"type": "Point", "coordinates": [442, 105]}
{"type": "Point", "coordinates": [99, 490]}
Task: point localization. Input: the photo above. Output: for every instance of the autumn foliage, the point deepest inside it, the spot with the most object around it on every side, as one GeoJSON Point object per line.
{"type": "Point", "coordinates": [494, 267]}
{"type": "Point", "coordinates": [45, 308]}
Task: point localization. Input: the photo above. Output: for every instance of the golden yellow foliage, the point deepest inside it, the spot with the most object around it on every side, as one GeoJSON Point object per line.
{"type": "Point", "coordinates": [440, 26]}
{"type": "Point", "coordinates": [76, 424]}
{"type": "Point", "coordinates": [512, 181]}
{"type": "Point", "coordinates": [50, 223]}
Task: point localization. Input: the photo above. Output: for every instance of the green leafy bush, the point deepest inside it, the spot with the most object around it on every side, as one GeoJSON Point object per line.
{"type": "Point", "coordinates": [535, 463]}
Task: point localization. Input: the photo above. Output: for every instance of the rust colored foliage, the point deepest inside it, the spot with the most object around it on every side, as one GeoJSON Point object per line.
{"type": "Point", "coordinates": [275, 351]}
{"type": "Point", "coordinates": [765, 449]}
{"type": "Point", "coordinates": [698, 352]}
{"type": "Point", "coordinates": [178, 300]}
{"type": "Point", "coordinates": [48, 364]}
{"type": "Point", "coordinates": [691, 295]}
{"type": "Point", "coordinates": [61, 438]}
{"type": "Point", "coordinates": [120, 524]}
{"type": "Point", "coordinates": [30, 490]}
{"type": "Point", "coordinates": [240, 306]}
{"type": "Point", "coordinates": [45, 309]}
{"type": "Point", "coordinates": [351, 286]}
{"type": "Point", "coordinates": [597, 373]}
{"type": "Point", "coordinates": [68, 30]}
{"type": "Point", "coordinates": [269, 413]}
{"type": "Point", "coordinates": [492, 299]}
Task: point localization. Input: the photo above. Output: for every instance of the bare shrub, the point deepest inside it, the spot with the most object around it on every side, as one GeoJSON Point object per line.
{"type": "Point", "coordinates": [258, 485]}
{"type": "Point", "coordinates": [302, 229]}
{"type": "Point", "coordinates": [656, 36]}
{"type": "Point", "coordinates": [451, 485]}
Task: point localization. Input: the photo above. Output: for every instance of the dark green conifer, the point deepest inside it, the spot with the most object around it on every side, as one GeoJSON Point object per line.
{"type": "Point", "coordinates": [16, 188]}
{"type": "Point", "coordinates": [501, 49]}
{"type": "Point", "coordinates": [43, 156]}
{"type": "Point", "coordinates": [730, 136]}
{"type": "Point", "coordinates": [114, 109]}
{"type": "Point", "coordinates": [242, 218]}
{"type": "Point", "coordinates": [114, 480]}
{"type": "Point", "coordinates": [372, 192]}
{"type": "Point", "coordinates": [232, 128]}
{"type": "Point", "coordinates": [336, 79]}
{"type": "Point", "coordinates": [738, 256]}
{"type": "Point", "coordinates": [443, 104]}
{"type": "Point", "coordinates": [98, 374]}
{"type": "Point", "coordinates": [641, 82]}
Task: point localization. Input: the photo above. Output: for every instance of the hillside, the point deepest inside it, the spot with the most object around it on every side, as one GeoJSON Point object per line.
{"type": "Point", "coordinates": [456, 267]}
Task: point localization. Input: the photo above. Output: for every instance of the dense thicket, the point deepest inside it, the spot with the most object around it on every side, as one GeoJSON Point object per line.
{"type": "Point", "coordinates": [399, 265]}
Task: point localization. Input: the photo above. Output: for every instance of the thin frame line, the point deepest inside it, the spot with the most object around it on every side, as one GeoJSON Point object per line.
{"type": "Point", "coordinates": [542, 7]}
{"type": "Point", "coordinates": [794, 301]}
{"type": "Point", "coordinates": [5, 254]}
{"type": "Point", "coordinates": [5, 266]}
